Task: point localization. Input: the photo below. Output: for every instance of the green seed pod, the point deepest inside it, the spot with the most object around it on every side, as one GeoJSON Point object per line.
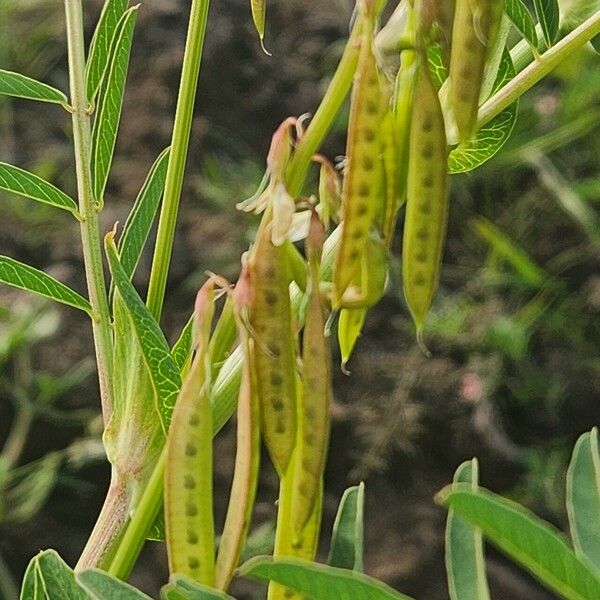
{"type": "Point", "coordinates": [274, 345]}
{"type": "Point", "coordinates": [363, 181]}
{"type": "Point", "coordinates": [476, 27]}
{"type": "Point", "coordinates": [188, 469]}
{"type": "Point", "coordinates": [313, 425]}
{"type": "Point", "coordinates": [427, 203]}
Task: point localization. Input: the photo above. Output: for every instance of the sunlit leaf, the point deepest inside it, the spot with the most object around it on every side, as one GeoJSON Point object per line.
{"type": "Point", "coordinates": [492, 136]}
{"type": "Point", "coordinates": [548, 14]}
{"type": "Point", "coordinates": [465, 560]}
{"type": "Point", "coordinates": [25, 277]}
{"type": "Point", "coordinates": [18, 181]}
{"type": "Point", "coordinates": [21, 86]}
{"type": "Point", "coordinates": [437, 67]}
{"type": "Point", "coordinates": [182, 349]}
{"type": "Point", "coordinates": [157, 355]}
{"type": "Point", "coordinates": [183, 588]}
{"type": "Point", "coordinates": [48, 577]}
{"type": "Point", "coordinates": [319, 582]}
{"type": "Point", "coordinates": [106, 125]}
{"type": "Point", "coordinates": [531, 542]}
{"type": "Point", "coordinates": [140, 219]}
{"type": "Point", "coordinates": [347, 539]}
{"type": "Point", "coordinates": [102, 586]}
{"type": "Point", "coordinates": [521, 18]}
{"type": "Point", "coordinates": [583, 497]}
{"type": "Point", "coordinates": [102, 42]}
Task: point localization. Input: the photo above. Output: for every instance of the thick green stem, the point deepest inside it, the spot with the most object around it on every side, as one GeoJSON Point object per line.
{"type": "Point", "coordinates": [90, 231]}
{"type": "Point", "coordinates": [539, 68]}
{"type": "Point", "coordinates": [178, 157]}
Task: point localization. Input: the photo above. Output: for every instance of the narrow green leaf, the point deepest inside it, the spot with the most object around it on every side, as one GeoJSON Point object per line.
{"type": "Point", "coordinates": [438, 69]}
{"type": "Point", "coordinates": [102, 586]}
{"type": "Point", "coordinates": [318, 582]}
{"type": "Point", "coordinates": [18, 181]}
{"type": "Point", "coordinates": [183, 588]}
{"type": "Point", "coordinates": [548, 14]}
{"type": "Point", "coordinates": [20, 275]}
{"type": "Point", "coordinates": [182, 349]}
{"type": "Point", "coordinates": [491, 137]}
{"type": "Point", "coordinates": [531, 542]}
{"type": "Point", "coordinates": [102, 42]}
{"type": "Point", "coordinates": [21, 86]}
{"type": "Point", "coordinates": [48, 577]}
{"type": "Point", "coordinates": [106, 125]}
{"type": "Point", "coordinates": [528, 270]}
{"type": "Point", "coordinates": [157, 356]}
{"type": "Point", "coordinates": [347, 539]}
{"type": "Point", "coordinates": [140, 219]}
{"type": "Point", "coordinates": [595, 41]}
{"type": "Point", "coordinates": [583, 497]}
{"type": "Point", "coordinates": [521, 18]}
{"type": "Point", "coordinates": [465, 560]}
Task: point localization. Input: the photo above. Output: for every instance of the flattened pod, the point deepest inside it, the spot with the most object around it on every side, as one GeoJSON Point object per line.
{"type": "Point", "coordinates": [274, 345]}
{"type": "Point", "coordinates": [363, 182]}
{"type": "Point", "coordinates": [476, 26]}
{"type": "Point", "coordinates": [188, 469]}
{"type": "Point", "coordinates": [313, 426]}
{"type": "Point", "coordinates": [427, 202]}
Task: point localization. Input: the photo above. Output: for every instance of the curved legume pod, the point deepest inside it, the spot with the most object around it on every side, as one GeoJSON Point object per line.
{"type": "Point", "coordinates": [427, 203]}
{"type": "Point", "coordinates": [274, 345]}
{"type": "Point", "coordinates": [315, 400]}
{"type": "Point", "coordinates": [362, 192]}
{"type": "Point", "coordinates": [189, 521]}
{"type": "Point", "coordinates": [476, 26]}
{"type": "Point", "coordinates": [247, 457]}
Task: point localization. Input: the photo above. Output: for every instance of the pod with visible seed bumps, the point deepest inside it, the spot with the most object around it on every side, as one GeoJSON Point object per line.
{"type": "Point", "coordinates": [427, 202]}
{"type": "Point", "coordinates": [189, 521]}
{"type": "Point", "coordinates": [313, 424]}
{"type": "Point", "coordinates": [475, 29]}
{"type": "Point", "coordinates": [362, 192]}
{"type": "Point", "coordinates": [274, 355]}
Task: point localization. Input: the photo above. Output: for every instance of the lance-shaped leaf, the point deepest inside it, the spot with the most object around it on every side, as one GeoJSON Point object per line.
{"type": "Point", "coordinates": [531, 542]}
{"type": "Point", "coordinates": [140, 219]}
{"type": "Point", "coordinates": [183, 588]}
{"type": "Point", "coordinates": [48, 577]}
{"type": "Point", "coordinates": [583, 497]}
{"type": "Point", "coordinates": [548, 15]}
{"type": "Point", "coordinates": [182, 348]}
{"type": "Point", "coordinates": [492, 136]}
{"type": "Point", "coordinates": [157, 356]}
{"type": "Point", "coordinates": [347, 539]}
{"type": "Point", "coordinates": [521, 18]}
{"type": "Point", "coordinates": [101, 586]}
{"type": "Point", "coordinates": [318, 582]}
{"type": "Point", "coordinates": [25, 277]}
{"type": "Point", "coordinates": [106, 125]}
{"type": "Point", "coordinates": [18, 181]}
{"type": "Point", "coordinates": [465, 560]}
{"type": "Point", "coordinates": [102, 42]}
{"type": "Point", "coordinates": [21, 86]}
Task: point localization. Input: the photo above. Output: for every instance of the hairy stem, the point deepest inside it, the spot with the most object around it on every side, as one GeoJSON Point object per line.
{"type": "Point", "coordinates": [90, 231]}
{"type": "Point", "coordinates": [539, 68]}
{"type": "Point", "coordinates": [178, 157]}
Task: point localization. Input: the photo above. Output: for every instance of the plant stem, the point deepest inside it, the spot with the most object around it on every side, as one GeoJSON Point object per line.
{"type": "Point", "coordinates": [539, 68]}
{"type": "Point", "coordinates": [8, 586]}
{"type": "Point", "coordinates": [15, 442]}
{"type": "Point", "coordinates": [90, 231]}
{"type": "Point", "coordinates": [178, 157]}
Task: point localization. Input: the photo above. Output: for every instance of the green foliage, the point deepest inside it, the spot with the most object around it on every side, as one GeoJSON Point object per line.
{"type": "Point", "coordinates": [101, 586]}
{"type": "Point", "coordinates": [548, 15]}
{"type": "Point", "coordinates": [347, 538]}
{"type": "Point", "coordinates": [519, 14]}
{"type": "Point", "coordinates": [183, 588]}
{"type": "Point", "coordinates": [20, 86]}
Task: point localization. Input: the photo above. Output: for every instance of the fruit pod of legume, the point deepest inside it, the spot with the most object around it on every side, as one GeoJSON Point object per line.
{"type": "Point", "coordinates": [188, 469]}
{"type": "Point", "coordinates": [427, 202]}
{"type": "Point", "coordinates": [315, 399]}
{"type": "Point", "coordinates": [362, 192]}
{"type": "Point", "coordinates": [476, 26]}
{"type": "Point", "coordinates": [247, 458]}
{"type": "Point", "coordinates": [274, 345]}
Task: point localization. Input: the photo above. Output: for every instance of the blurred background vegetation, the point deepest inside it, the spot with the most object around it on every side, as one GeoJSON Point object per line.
{"type": "Point", "coordinates": [514, 334]}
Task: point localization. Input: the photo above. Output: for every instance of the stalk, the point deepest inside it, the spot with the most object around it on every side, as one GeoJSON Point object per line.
{"type": "Point", "coordinates": [90, 231]}
{"type": "Point", "coordinates": [539, 68]}
{"type": "Point", "coordinates": [177, 160]}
